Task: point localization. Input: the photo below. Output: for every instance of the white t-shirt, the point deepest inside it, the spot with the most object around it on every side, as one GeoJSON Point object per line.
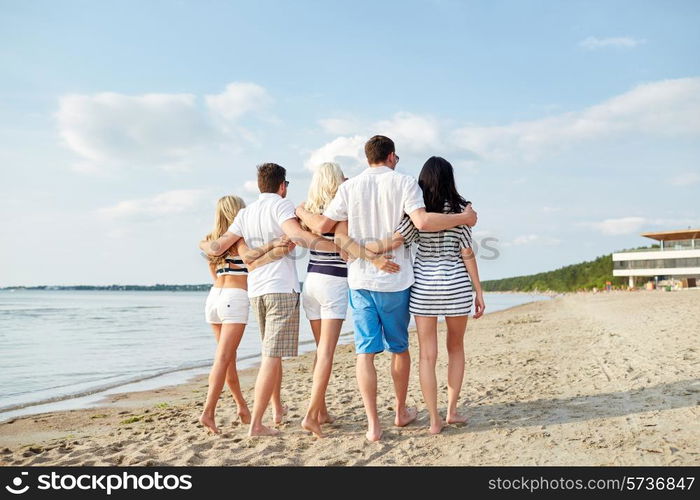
{"type": "Point", "coordinates": [374, 203]}
{"type": "Point", "coordinates": [260, 223]}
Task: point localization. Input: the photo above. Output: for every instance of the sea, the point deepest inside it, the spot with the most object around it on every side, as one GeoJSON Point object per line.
{"type": "Point", "coordinates": [66, 349]}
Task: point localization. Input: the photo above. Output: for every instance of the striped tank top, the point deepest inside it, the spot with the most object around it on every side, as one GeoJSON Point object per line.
{"type": "Point", "coordinates": [329, 263]}
{"type": "Point", "coordinates": [239, 270]}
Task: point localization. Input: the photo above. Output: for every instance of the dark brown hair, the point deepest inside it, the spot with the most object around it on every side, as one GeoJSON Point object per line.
{"type": "Point", "coordinates": [437, 180]}
{"type": "Point", "coordinates": [270, 176]}
{"type": "Point", "coordinates": [378, 148]}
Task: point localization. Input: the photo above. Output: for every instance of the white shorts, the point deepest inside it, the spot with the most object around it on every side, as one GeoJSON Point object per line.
{"type": "Point", "coordinates": [325, 297]}
{"type": "Point", "coordinates": [227, 306]}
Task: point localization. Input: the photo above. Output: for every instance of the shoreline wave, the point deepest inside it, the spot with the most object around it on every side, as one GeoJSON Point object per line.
{"type": "Point", "coordinates": [244, 363]}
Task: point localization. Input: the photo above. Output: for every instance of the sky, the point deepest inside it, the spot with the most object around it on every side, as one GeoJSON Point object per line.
{"type": "Point", "coordinates": [572, 126]}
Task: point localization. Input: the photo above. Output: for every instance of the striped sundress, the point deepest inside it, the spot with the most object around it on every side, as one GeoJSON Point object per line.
{"type": "Point", "coordinates": [442, 285]}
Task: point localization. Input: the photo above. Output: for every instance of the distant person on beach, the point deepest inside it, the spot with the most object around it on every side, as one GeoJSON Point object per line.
{"type": "Point", "coordinates": [446, 284]}
{"type": "Point", "coordinates": [227, 305]}
{"type": "Point", "coordinates": [273, 289]}
{"type": "Point", "coordinates": [373, 204]}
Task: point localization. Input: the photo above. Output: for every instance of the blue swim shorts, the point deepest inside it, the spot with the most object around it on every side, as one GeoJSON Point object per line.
{"type": "Point", "coordinates": [381, 320]}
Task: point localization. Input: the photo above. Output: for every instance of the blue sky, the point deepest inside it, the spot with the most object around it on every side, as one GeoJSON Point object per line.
{"type": "Point", "coordinates": [573, 126]}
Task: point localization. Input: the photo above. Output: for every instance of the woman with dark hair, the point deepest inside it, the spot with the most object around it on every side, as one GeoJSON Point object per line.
{"type": "Point", "coordinates": [446, 284]}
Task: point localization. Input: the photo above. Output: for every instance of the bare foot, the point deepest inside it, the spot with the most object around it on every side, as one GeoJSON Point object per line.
{"type": "Point", "coordinates": [436, 428]}
{"type": "Point", "coordinates": [373, 435]}
{"type": "Point", "coordinates": [278, 415]}
{"type": "Point", "coordinates": [404, 418]}
{"type": "Point", "coordinates": [456, 418]}
{"type": "Point", "coordinates": [209, 422]}
{"type": "Point", "coordinates": [312, 425]}
{"type": "Point", "coordinates": [262, 430]}
{"type": "Point", "coordinates": [325, 418]}
{"type": "Point", "coordinates": [244, 414]}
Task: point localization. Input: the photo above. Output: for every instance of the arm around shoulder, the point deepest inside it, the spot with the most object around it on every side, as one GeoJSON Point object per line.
{"type": "Point", "coordinates": [433, 221]}
{"type": "Point", "coordinates": [316, 222]}
{"type": "Point", "coordinates": [220, 245]}
{"type": "Point", "coordinates": [299, 236]}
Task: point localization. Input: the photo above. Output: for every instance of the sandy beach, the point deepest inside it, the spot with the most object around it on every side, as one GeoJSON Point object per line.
{"type": "Point", "coordinates": [582, 379]}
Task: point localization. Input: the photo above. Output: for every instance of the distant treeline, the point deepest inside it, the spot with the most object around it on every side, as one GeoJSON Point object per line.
{"type": "Point", "coordinates": [144, 288]}
{"type": "Point", "coordinates": [583, 276]}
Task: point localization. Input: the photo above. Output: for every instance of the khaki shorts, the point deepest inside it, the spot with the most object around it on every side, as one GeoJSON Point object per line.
{"type": "Point", "coordinates": [278, 319]}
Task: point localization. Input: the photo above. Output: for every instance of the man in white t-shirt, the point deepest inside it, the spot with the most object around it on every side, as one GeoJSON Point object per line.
{"type": "Point", "coordinates": [373, 204]}
{"type": "Point", "coordinates": [273, 289]}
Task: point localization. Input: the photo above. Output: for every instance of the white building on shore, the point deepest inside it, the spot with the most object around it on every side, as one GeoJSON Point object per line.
{"type": "Point", "coordinates": [677, 259]}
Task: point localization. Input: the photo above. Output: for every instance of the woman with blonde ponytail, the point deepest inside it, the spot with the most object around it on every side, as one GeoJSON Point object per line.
{"type": "Point", "coordinates": [324, 297]}
{"type": "Point", "coordinates": [227, 306]}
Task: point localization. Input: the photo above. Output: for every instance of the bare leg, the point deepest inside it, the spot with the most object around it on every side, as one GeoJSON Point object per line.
{"type": "Point", "coordinates": [232, 378]}
{"type": "Point", "coordinates": [367, 380]}
{"type": "Point", "coordinates": [456, 327]}
{"type": "Point", "coordinates": [229, 337]}
{"type": "Point", "coordinates": [316, 330]}
{"type": "Point", "coordinates": [427, 340]}
{"type": "Point", "coordinates": [207, 418]}
{"type": "Point", "coordinates": [232, 381]}
{"type": "Point", "coordinates": [330, 331]}
{"type": "Point", "coordinates": [278, 409]}
{"type": "Point", "coordinates": [323, 416]}
{"type": "Point", "coordinates": [216, 328]}
{"type": "Point", "coordinates": [264, 387]}
{"type": "Point", "coordinates": [400, 371]}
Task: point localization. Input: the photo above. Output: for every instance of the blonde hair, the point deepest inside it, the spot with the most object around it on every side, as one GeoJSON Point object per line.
{"type": "Point", "coordinates": [324, 184]}
{"type": "Point", "coordinates": [226, 210]}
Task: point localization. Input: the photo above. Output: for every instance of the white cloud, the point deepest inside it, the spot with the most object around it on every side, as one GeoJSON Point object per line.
{"type": "Point", "coordinates": [635, 224]}
{"type": "Point", "coordinates": [339, 126]}
{"type": "Point", "coordinates": [107, 127]}
{"type": "Point", "coordinates": [154, 130]}
{"type": "Point", "coordinates": [686, 179]}
{"type": "Point", "coordinates": [528, 239]}
{"type": "Point", "coordinates": [618, 42]}
{"type": "Point", "coordinates": [238, 99]}
{"type": "Point", "coordinates": [411, 132]}
{"type": "Point", "coordinates": [632, 225]}
{"type": "Point", "coordinates": [667, 108]}
{"type": "Point", "coordinates": [664, 108]}
{"type": "Point", "coordinates": [251, 187]}
{"type": "Point", "coordinates": [167, 203]}
{"type": "Point", "coordinates": [480, 234]}
{"type": "Point", "coordinates": [672, 224]}
{"type": "Point", "coordinates": [549, 210]}
{"type": "Point", "coordinates": [348, 151]}
{"type": "Point", "coordinates": [622, 225]}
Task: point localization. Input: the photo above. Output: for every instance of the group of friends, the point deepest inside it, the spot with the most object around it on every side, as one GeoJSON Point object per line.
{"type": "Point", "coordinates": [381, 242]}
